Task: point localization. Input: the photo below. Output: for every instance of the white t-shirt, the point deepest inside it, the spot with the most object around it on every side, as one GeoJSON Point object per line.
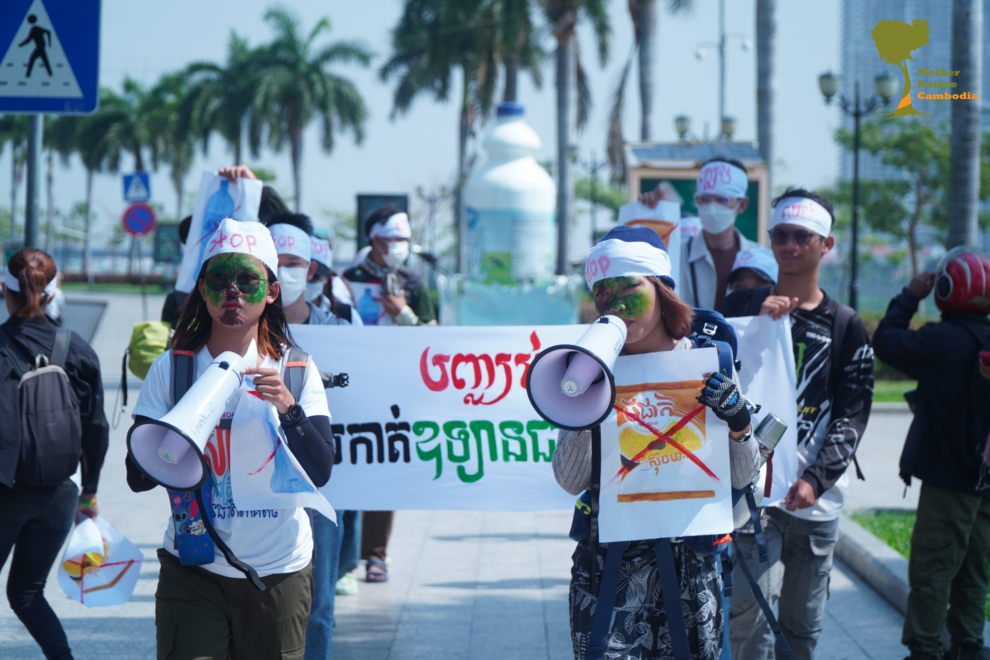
{"type": "Point", "coordinates": [271, 541]}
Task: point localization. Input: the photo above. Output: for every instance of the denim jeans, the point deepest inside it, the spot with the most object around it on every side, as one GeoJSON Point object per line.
{"type": "Point", "coordinates": [35, 522]}
{"type": "Point", "coordinates": [326, 564]}
{"type": "Point", "coordinates": [796, 578]}
{"type": "Point", "coordinates": [350, 543]}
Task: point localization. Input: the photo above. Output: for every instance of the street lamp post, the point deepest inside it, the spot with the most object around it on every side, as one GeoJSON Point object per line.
{"type": "Point", "coordinates": [723, 38]}
{"type": "Point", "coordinates": [886, 86]}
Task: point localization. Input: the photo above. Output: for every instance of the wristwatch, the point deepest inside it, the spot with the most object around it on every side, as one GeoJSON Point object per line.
{"type": "Point", "coordinates": [293, 414]}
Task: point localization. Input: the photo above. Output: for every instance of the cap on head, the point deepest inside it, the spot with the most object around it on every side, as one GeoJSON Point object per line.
{"type": "Point", "coordinates": [759, 260]}
{"type": "Point", "coordinates": [962, 281]}
{"type": "Point", "coordinates": [626, 251]}
{"type": "Point", "coordinates": [251, 238]}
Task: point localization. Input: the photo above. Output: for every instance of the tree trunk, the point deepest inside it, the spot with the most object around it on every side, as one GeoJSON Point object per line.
{"type": "Point", "coordinates": [913, 243]}
{"type": "Point", "coordinates": [766, 33]}
{"type": "Point", "coordinates": [180, 184]}
{"type": "Point", "coordinates": [13, 191]}
{"type": "Point", "coordinates": [295, 148]}
{"type": "Point", "coordinates": [50, 205]}
{"type": "Point", "coordinates": [565, 67]}
{"type": "Point", "coordinates": [511, 66]}
{"type": "Point", "coordinates": [87, 243]}
{"type": "Point", "coordinates": [646, 31]}
{"type": "Point", "coordinates": [460, 219]}
{"type": "Point", "coordinates": [964, 163]}
{"type": "Point", "coordinates": [138, 159]}
{"type": "Point", "coordinates": [237, 151]}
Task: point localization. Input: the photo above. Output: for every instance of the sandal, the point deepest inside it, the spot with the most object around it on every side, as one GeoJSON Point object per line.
{"type": "Point", "coordinates": [376, 571]}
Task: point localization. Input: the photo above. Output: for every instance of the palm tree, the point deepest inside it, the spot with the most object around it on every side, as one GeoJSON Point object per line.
{"type": "Point", "coordinates": [219, 99]}
{"type": "Point", "coordinates": [644, 19]}
{"type": "Point", "coordinates": [168, 143]}
{"type": "Point", "coordinates": [13, 132]}
{"type": "Point", "coordinates": [434, 40]}
{"type": "Point", "coordinates": [515, 39]}
{"type": "Point", "coordinates": [766, 33]}
{"type": "Point", "coordinates": [563, 17]}
{"type": "Point", "coordinates": [964, 177]}
{"type": "Point", "coordinates": [296, 85]}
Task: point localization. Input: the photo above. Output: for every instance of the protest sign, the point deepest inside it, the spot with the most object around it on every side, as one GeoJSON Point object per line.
{"type": "Point", "coordinates": [767, 378]}
{"type": "Point", "coordinates": [217, 199]}
{"type": "Point", "coordinates": [100, 566]}
{"type": "Point", "coordinates": [438, 417]}
{"type": "Point", "coordinates": [665, 456]}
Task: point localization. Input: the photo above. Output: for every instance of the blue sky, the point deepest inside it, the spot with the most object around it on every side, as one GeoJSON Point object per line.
{"type": "Point", "coordinates": [145, 40]}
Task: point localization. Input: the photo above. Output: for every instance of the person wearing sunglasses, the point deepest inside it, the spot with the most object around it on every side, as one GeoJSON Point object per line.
{"type": "Point", "coordinates": [707, 258]}
{"type": "Point", "coordinates": [834, 362]}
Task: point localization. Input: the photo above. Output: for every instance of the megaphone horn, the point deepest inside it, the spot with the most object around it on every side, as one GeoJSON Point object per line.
{"type": "Point", "coordinates": [170, 450]}
{"type": "Point", "coordinates": [571, 385]}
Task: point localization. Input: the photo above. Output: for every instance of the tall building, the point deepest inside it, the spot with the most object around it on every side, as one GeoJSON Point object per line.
{"type": "Point", "coordinates": [861, 63]}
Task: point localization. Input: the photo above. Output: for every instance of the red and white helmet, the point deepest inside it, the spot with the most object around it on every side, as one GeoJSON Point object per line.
{"type": "Point", "coordinates": [962, 281]}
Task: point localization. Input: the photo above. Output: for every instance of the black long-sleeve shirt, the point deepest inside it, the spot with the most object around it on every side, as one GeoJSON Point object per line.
{"type": "Point", "coordinates": [82, 366]}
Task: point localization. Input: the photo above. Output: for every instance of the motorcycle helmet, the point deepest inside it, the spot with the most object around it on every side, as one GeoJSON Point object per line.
{"type": "Point", "coordinates": [962, 281]}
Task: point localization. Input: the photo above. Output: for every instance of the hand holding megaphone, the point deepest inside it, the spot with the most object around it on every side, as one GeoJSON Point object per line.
{"type": "Point", "coordinates": [571, 385]}
{"type": "Point", "coordinates": [170, 450]}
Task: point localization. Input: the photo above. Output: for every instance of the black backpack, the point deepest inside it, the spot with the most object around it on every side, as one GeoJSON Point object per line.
{"type": "Point", "coordinates": [50, 425]}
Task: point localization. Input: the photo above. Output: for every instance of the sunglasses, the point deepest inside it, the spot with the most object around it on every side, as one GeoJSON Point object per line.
{"type": "Point", "coordinates": [246, 283]}
{"type": "Point", "coordinates": [781, 237]}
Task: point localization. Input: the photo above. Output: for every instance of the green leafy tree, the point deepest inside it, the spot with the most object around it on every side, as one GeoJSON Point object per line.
{"type": "Point", "coordinates": [13, 135]}
{"type": "Point", "coordinates": [220, 98]}
{"type": "Point", "coordinates": [895, 41]}
{"type": "Point", "coordinates": [297, 84]}
{"type": "Point", "coordinates": [514, 41]}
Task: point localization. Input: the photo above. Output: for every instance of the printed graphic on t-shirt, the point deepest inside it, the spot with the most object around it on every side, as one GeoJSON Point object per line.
{"type": "Point", "coordinates": [812, 334]}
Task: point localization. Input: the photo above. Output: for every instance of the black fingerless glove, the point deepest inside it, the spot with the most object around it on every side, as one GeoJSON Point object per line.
{"type": "Point", "coordinates": [723, 397]}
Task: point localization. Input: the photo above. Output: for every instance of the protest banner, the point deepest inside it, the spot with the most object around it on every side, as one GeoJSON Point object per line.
{"type": "Point", "coordinates": [665, 456]}
{"type": "Point", "coordinates": [438, 417]}
{"type": "Point", "coordinates": [217, 199]}
{"type": "Point", "coordinates": [767, 377]}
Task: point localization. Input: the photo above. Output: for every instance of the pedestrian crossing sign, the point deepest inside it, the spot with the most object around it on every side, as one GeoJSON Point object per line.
{"type": "Point", "coordinates": [50, 54]}
{"type": "Point", "coordinates": [137, 187]}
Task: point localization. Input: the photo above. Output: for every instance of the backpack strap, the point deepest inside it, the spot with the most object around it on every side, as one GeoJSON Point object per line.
{"type": "Point", "coordinates": [13, 353]}
{"type": "Point", "coordinates": [60, 349]}
{"type": "Point", "coordinates": [671, 588]}
{"type": "Point", "coordinates": [843, 317]}
{"type": "Point", "coordinates": [782, 644]}
{"type": "Point", "coordinates": [694, 274]}
{"type": "Point", "coordinates": [182, 373]}
{"type": "Point", "coordinates": [602, 619]}
{"type": "Point", "coordinates": [294, 372]}
{"type": "Point", "coordinates": [345, 311]}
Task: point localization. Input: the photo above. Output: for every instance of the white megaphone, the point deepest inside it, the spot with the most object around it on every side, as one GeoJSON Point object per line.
{"type": "Point", "coordinates": [170, 450]}
{"type": "Point", "coordinates": [768, 433]}
{"type": "Point", "coordinates": [571, 385]}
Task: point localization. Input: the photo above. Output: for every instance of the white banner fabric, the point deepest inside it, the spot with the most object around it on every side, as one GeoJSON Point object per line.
{"type": "Point", "coordinates": [217, 199]}
{"type": "Point", "coordinates": [438, 417]}
{"type": "Point", "coordinates": [767, 377]}
{"type": "Point", "coordinates": [682, 487]}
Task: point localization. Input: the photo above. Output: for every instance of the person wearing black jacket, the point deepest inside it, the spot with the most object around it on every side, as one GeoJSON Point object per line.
{"type": "Point", "coordinates": [834, 397]}
{"type": "Point", "coordinates": [950, 545]}
{"type": "Point", "coordinates": [35, 520]}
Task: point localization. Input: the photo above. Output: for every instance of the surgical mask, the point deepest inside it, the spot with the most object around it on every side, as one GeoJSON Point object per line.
{"type": "Point", "coordinates": [314, 290]}
{"type": "Point", "coordinates": [292, 282]}
{"type": "Point", "coordinates": [716, 218]}
{"type": "Point", "coordinates": [398, 252]}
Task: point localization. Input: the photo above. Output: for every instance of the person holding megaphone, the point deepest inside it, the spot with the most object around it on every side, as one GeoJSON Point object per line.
{"type": "Point", "coordinates": [629, 272]}
{"type": "Point", "coordinates": [234, 583]}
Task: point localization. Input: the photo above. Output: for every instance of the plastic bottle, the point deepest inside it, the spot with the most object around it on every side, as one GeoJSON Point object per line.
{"type": "Point", "coordinates": [510, 202]}
{"type": "Point", "coordinates": [367, 308]}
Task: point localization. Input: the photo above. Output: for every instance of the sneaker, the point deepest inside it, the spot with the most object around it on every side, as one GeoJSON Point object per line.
{"type": "Point", "coordinates": [347, 585]}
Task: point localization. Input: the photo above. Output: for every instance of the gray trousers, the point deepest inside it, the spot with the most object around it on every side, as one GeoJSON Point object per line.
{"type": "Point", "coordinates": [795, 579]}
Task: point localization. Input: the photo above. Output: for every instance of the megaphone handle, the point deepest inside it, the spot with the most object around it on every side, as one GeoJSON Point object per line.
{"type": "Point", "coordinates": [596, 471]}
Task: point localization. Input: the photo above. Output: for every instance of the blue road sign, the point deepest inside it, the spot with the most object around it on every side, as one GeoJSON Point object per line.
{"type": "Point", "coordinates": [139, 219]}
{"type": "Point", "coordinates": [137, 187]}
{"type": "Point", "coordinates": [51, 56]}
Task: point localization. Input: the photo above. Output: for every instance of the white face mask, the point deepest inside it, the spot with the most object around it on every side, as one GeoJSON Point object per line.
{"type": "Point", "coordinates": [292, 282]}
{"type": "Point", "coordinates": [398, 252]}
{"type": "Point", "coordinates": [716, 218]}
{"type": "Point", "coordinates": [314, 290]}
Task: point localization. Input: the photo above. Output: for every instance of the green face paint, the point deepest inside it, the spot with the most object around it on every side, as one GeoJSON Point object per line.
{"type": "Point", "coordinates": [625, 297]}
{"type": "Point", "coordinates": [241, 270]}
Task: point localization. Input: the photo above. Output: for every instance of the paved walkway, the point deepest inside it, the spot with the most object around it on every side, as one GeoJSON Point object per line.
{"type": "Point", "coordinates": [463, 584]}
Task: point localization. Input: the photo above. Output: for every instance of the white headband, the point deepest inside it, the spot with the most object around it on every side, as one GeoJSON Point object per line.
{"type": "Point", "coordinates": [251, 238]}
{"type": "Point", "coordinates": [802, 212]}
{"type": "Point", "coordinates": [321, 252]}
{"type": "Point", "coordinates": [722, 179]}
{"type": "Point", "coordinates": [618, 258]}
{"type": "Point", "coordinates": [397, 226]}
{"type": "Point", "coordinates": [14, 285]}
{"type": "Point", "coordinates": [290, 239]}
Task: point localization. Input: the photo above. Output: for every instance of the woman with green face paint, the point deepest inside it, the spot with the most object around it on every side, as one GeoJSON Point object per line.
{"type": "Point", "coordinates": [213, 606]}
{"type": "Point", "coordinates": [629, 275]}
